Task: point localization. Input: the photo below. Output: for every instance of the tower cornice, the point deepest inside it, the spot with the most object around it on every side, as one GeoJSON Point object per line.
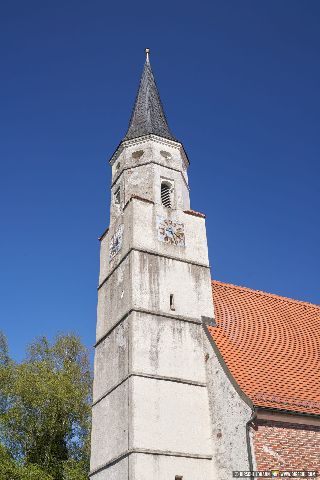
{"type": "Point", "coordinates": [147, 138]}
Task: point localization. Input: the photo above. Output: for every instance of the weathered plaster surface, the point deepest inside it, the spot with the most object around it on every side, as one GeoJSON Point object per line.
{"type": "Point", "coordinates": [114, 298]}
{"type": "Point", "coordinates": [159, 277]}
{"type": "Point", "coordinates": [110, 427]}
{"type": "Point", "coordinates": [169, 416]}
{"type": "Point", "coordinates": [229, 414]}
{"type": "Point", "coordinates": [111, 360]}
{"type": "Point", "coordinates": [140, 232]}
{"type": "Point", "coordinates": [118, 471]}
{"type": "Point", "coordinates": [158, 467]}
{"type": "Point", "coordinates": [145, 234]}
{"type": "Point", "coordinates": [143, 150]}
{"type": "Point", "coordinates": [167, 347]}
{"type": "Point", "coordinates": [104, 257]}
{"type": "Point", "coordinates": [140, 168]}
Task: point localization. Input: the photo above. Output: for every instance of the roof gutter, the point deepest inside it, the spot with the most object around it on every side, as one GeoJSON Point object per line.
{"type": "Point", "coordinates": [287, 416]}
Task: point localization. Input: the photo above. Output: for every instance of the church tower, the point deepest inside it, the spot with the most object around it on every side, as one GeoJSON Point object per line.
{"type": "Point", "coordinates": [151, 417]}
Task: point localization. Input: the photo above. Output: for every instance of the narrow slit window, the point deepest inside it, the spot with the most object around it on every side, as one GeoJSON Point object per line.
{"type": "Point", "coordinates": [166, 194]}
{"type": "Point", "coordinates": [117, 196]}
{"type": "Point", "coordinates": [172, 307]}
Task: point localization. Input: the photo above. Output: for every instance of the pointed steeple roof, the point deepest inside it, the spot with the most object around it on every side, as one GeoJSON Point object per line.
{"type": "Point", "coordinates": [148, 116]}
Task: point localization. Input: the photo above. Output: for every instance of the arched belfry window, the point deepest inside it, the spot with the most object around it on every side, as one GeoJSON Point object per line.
{"type": "Point", "coordinates": [166, 194]}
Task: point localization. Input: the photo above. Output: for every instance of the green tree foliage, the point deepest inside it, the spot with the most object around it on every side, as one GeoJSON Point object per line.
{"type": "Point", "coordinates": [45, 411]}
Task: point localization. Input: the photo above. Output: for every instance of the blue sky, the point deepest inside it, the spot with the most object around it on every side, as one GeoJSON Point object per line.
{"type": "Point", "coordinates": [240, 84]}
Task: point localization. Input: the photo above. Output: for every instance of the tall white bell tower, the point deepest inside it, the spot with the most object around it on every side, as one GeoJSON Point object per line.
{"type": "Point", "coordinates": [150, 408]}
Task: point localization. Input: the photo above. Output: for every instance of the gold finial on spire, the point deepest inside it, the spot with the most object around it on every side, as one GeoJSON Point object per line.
{"type": "Point", "coordinates": [147, 50]}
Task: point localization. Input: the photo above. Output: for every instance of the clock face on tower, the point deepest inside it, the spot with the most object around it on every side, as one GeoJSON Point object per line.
{"type": "Point", "coordinates": [116, 242]}
{"type": "Point", "coordinates": [170, 231]}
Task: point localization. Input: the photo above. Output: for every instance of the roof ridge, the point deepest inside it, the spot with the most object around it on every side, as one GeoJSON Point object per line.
{"type": "Point", "coordinates": [268, 294]}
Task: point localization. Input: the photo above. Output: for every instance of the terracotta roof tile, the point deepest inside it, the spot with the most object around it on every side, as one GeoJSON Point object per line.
{"type": "Point", "coordinates": [271, 345]}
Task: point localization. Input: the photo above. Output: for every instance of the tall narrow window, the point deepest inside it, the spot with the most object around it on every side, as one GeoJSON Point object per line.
{"type": "Point", "coordinates": [172, 307]}
{"type": "Point", "coordinates": [117, 197]}
{"type": "Point", "coordinates": [166, 194]}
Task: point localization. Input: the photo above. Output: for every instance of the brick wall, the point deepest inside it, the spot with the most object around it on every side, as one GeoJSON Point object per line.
{"type": "Point", "coordinates": [286, 446]}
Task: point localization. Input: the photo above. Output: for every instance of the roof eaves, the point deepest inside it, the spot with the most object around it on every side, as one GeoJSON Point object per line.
{"type": "Point", "coordinates": [287, 412]}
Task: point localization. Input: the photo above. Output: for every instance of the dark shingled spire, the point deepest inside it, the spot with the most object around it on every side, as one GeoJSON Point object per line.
{"type": "Point", "coordinates": [148, 115]}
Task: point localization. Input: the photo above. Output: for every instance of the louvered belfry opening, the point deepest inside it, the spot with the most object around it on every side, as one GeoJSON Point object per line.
{"type": "Point", "coordinates": [166, 195]}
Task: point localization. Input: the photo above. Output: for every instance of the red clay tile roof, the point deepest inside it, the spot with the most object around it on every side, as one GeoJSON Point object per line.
{"type": "Point", "coordinates": [271, 346]}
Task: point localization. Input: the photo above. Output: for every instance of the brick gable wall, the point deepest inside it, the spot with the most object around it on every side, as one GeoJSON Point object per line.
{"type": "Point", "coordinates": [286, 446]}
